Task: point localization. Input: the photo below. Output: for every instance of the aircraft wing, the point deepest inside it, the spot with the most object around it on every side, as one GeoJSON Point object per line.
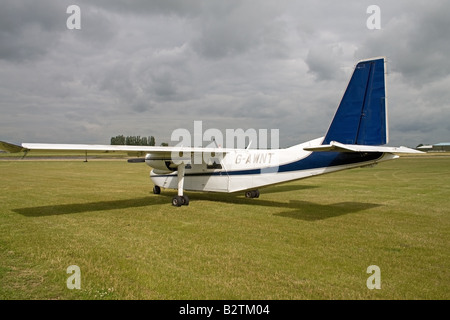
{"type": "Point", "coordinates": [26, 147]}
{"type": "Point", "coordinates": [9, 147]}
{"type": "Point", "coordinates": [340, 147]}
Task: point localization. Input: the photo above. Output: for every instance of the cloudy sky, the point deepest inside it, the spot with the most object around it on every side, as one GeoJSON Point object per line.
{"type": "Point", "coordinates": [148, 67]}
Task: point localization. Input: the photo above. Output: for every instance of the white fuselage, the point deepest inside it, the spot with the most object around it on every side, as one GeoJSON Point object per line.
{"type": "Point", "coordinates": [250, 169]}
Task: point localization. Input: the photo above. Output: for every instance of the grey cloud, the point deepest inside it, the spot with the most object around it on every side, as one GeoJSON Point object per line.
{"type": "Point", "coordinates": [324, 62]}
{"type": "Point", "coordinates": [28, 30]}
{"type": "Point", "coordinates": [235, 27]}
{"type": "Point", "coordinates": [97, 28]}
{"type": "Point", "coordinates": [153, 8]}
{"type": "Point", "coordinates": [416, 42]}
{"type": "Point", "coordinates": [18, 14]}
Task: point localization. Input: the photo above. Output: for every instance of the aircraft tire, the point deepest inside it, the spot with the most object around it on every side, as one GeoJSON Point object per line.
{"type": "Point", "coordinates": [252, 194]}
{"type": "Point", "coordinates": [177, 201]}
{"type": "Point", "coordinates": [156, 190]}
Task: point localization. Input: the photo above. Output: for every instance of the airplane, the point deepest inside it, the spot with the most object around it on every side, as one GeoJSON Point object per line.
{"type": "Point", "coordinates": [355, 138]}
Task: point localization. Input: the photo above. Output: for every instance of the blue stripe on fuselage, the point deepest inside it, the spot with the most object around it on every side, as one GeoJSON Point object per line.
{"type": "Point", "coordinates": [313, 161]}
{"type": "Point", "coordinates": [316, 160]}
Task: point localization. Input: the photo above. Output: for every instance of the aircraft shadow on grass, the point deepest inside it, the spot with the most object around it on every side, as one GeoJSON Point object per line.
{"type": "Point", "coordinates": [297, 209]}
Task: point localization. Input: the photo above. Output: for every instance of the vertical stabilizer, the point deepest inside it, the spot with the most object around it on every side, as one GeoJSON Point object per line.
{"type": "Point", "coordinates": [361, 117]}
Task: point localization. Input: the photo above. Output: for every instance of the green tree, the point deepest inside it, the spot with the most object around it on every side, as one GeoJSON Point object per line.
{"type": "Point", "coordinates": [133, 140]}
{"type": "Point", "coordinates": [118, 140]}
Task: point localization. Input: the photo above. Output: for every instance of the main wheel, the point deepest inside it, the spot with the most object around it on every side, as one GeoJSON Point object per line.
{"type": "Point", "coordinates": [252, 194]}
{"type": "Point", "coordinates": [177, 201]}
{"type": "Point", "coordinates": [186, 200]}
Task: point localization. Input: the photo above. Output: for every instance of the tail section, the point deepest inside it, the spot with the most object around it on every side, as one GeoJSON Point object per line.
{"type": "Point", "coordinates": [361, 118]}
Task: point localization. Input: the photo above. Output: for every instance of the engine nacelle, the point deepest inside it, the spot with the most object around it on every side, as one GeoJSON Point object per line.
{"type": "Point", "coordinates": [160, 163]}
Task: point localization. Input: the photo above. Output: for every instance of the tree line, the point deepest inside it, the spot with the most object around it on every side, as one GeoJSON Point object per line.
{"type": "Point", "coordinates": [133, 140]}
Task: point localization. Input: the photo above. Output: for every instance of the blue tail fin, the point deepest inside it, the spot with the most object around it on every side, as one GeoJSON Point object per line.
{"type": "Point", "coordinates": [362, 116]}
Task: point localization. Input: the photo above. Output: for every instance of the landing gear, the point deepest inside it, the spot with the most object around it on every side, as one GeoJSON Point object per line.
{"type": "Point", "coordinates": [252, 194]}
{"type": "Point", "coordinates": [179, 201]}
{"type": "Point", "coordinates": [186, 200]}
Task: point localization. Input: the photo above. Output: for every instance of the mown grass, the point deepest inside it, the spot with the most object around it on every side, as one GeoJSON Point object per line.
{"type": "Point", "coordinates": [309, 239]}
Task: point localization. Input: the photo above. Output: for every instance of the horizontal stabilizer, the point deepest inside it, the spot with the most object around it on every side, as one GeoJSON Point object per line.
{"type": "Point", "coordinates": [335, 146]}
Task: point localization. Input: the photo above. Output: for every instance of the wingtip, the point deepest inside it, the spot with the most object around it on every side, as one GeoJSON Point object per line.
{"type": "Point", "coordinates": [11, 148]}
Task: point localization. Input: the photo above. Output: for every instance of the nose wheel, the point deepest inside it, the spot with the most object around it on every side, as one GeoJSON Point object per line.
{"type": "Point", "coordinates": [156, 190]}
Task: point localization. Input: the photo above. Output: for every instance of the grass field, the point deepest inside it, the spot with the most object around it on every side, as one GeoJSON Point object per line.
{"type": "Point", "coordinates": [309, 239]}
